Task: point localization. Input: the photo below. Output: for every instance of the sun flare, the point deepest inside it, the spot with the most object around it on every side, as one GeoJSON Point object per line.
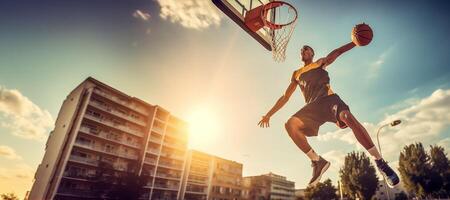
{"type": "Point", "coordinates": [203, 127]}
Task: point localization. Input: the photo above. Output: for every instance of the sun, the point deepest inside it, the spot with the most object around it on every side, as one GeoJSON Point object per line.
{"type": "Point", "coordinates": [203, 127]}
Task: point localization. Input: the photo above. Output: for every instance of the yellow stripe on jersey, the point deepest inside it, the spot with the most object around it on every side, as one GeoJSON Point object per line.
{"type": "Point", "coordinates": [307, 68]}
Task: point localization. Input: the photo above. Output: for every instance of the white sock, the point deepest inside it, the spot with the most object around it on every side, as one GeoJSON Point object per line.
{"type": "Point", "coordinates": [374, 153]}
{"type": "Point", "coordinates": [312, 155]}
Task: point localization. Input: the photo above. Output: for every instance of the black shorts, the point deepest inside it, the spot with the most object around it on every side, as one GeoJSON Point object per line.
{"type": "Point", "coordinates": [325, 109]}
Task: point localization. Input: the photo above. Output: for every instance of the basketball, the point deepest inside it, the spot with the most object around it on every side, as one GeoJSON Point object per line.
{"type": "Point", "coordinates": [362, 34]}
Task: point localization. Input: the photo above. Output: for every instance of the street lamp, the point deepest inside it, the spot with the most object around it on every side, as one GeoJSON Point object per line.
{"type": "Point", "coordinates": [393, 123]}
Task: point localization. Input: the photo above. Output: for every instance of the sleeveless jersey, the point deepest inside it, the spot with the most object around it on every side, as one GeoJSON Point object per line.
{"type": "Point", "coordinates": [313, 81]}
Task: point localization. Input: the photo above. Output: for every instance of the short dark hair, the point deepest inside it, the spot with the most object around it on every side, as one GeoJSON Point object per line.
{"type": "Point", "coordinates": [310, 48]}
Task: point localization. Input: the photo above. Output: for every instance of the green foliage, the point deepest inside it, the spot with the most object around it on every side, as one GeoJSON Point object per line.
{"type": "Point", "coordinates": [440, 168]}
{"type": "Point", "coordinates": [128, 187]}
{"type": "Point", "coordinates": [322, 191]}
{"type": "Point", "coordinates": [423, 174]}
{"type": "Point", "coordinates": [105, 178]}
{"type": "Point", "coordinates": [358, 176]}
{"type": "Point", "coordinates": [116, 185]}
{"type": "Point", "coordinates": [414, 169]}
{"type": "Point", "coordinates": [401, 196]}
{"type": "Point", "coordinates": [9, 196]}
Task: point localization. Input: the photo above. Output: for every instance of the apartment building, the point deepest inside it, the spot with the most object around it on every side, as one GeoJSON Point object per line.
{"type": "Point", "coordinates": [226, 181]}
{"type": "Point", "coordinates": [384, 192]}
{"type": "Point", "coordinates": [197, 179]}
{"type": "Point", "coordinates": [99, 126]}
{"type": "Point", "coordinates": [210, 177]}
{"type": "Point", "coordinates": [269, 186]}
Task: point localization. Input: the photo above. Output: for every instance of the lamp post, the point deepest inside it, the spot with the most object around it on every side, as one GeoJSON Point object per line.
{"type": "Point", "coordinates": [393, 123]}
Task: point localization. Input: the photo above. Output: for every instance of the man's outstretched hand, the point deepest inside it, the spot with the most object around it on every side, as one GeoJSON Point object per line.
{"type": "Point", "coordinates": [264, 123]}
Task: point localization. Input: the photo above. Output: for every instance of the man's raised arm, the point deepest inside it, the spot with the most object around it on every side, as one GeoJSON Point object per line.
{"type": "Point", "coordinates": [335, 53]}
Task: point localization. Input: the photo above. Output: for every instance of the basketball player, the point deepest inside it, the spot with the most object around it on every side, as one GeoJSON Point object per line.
{"type": "Point", "coordinates": [323, 105]}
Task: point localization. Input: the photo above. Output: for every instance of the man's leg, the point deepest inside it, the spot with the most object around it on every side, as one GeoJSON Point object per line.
{"type": "Point", "coordinates": [364, 139]}
{"type": "Point", "coordinates": [295, 128]}
{"type": "Point", "coordinates": [360, 133]}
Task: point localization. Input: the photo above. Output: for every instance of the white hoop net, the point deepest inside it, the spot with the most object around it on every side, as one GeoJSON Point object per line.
{"type": "Point", "coordinates": [281, 20]}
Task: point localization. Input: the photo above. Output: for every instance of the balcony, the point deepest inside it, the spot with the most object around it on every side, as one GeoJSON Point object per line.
{"type": "Point", "coordinates": [155, 140]}
{"type": "Point", "coordinates": [177, 136]}
{"type": "Point", "coordinates": [76, 192]}
{"type": "Point", "coordinates": [196, 182]}
{"type": "Point", "coordinates": [113, 125]}
{"type": "Point", "coordinates": [175, 146]}
{"type": "Point", "coordinates": [170, 165]}
{"type": "Point", "coordinates": [150, 161]}
{"type": "Point", "coordinates": [121, 102]}
{"type": "Point", "coordinates": [83, 160]}
{"type": "Point", "coordinates": [158, 130]}
{"type": "Point", "coordinates": [197, 179]}
{"type": "Point", "coordinates": [175, 177]}
{"type": "Point", "coordinates": [199, 173]}
{"type": "Point", "coordinates": [166, 187]}
{"type": "Point", "coordinates": [79, 175]}
{"type": "Point", "coordinates": [108, 137]}
{"type": "Point", "coordinates": [153, 151]}
{"type": "Point", "coordinates": [172, 156]}
{"type": "Point", "coordinates": [116, 113]}
{"type": "Point", "coordinates": [88, 145]}
{"type": "Point", "coordinates": [196, 190]}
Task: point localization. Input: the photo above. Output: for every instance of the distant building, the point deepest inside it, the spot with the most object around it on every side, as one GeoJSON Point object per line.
{"type": "Point", "coordinates": [269, 187]}
{"type": "Point", "coordinates": [226, 181]}
{"type": "Point", "coordinates": [383, 191]}
{"type": "Point", "coordinates": [210, 177]}
{"type": "Point", "coordinates": [299, 194]}
{"type": "Point", "coordinates": [99, 124]}
{"type": "Point", "coordinates": [197, 179]}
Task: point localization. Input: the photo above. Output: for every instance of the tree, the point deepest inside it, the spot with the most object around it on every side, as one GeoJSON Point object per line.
{"type": "Point", "coordinates": [322, 191]}
{"type": "Point", "coordinates": [9, 196]}
{"type": "Point", "coordinates": [105, 177]}
{"type": "Point", "coordinates": [358, 176]}
{"type": "Point", "coordinates": [415, 170]}
{"type": "Point", "coordinates": [128, 185]}
{"type": "Point", "coordinates": [440, 168]}
{"type": "Point", "coordinates": [401, 196]}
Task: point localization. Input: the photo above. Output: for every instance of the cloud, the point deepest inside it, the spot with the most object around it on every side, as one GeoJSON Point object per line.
{"type": "Point", "coordinates": [9, 153]}
{"type": "Point", "coordinates": [425, 121]}
{"type": "Point", "coordinates": [376, 65]}
{"type": "Point", "coordinates": [141, 15]}
{"type": "Point", "coordinates": [20, 171]}
{"type": "Point", "coordinates": [446, 144]}
{"type": "Point", "coordinates": [22, 117]}
{"type": "Point", "coordinates": [194, 14]}
{"type": "Point", "coordinates": [336, 158]}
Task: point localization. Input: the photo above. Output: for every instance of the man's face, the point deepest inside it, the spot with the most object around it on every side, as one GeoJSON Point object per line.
{"type": "Point", "coordinates": [306, 53]}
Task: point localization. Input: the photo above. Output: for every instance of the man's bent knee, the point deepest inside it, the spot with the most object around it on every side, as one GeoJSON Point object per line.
{"type": "Point", "coordinates": [294, 126]}
{"type": "Point", "coordinates": [347, 117]}
{"type": "Point", "coordinates": [295, 121]}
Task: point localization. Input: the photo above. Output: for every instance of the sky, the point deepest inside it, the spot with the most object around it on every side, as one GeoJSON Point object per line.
{"type": "Point", "coordinates": [189, 58]}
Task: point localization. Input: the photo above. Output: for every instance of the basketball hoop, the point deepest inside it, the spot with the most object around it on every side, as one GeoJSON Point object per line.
{"type": "Point", "coordinates": [279, 17]}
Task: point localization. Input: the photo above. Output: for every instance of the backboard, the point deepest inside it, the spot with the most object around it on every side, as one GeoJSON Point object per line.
{"type": "Point", "coordinates": [236, 10]}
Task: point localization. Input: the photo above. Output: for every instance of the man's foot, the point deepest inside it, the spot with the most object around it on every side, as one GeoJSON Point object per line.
{"type": "Point", "coordinates": [389, 175]}
{"type": "Point", "coordinates": [319, 167]}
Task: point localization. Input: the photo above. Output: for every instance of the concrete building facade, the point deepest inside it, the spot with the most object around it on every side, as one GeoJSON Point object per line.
{"type": "Point", "coordinates": [384, 192]}
{"type": "Point", "coordinates": [209, 177]}
{"type": "Point", "coordinates": [269, 186]}
{"type": "Point", "coordinates": [97, 125]}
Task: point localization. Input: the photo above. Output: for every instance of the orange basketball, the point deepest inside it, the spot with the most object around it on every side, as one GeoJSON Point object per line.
{"type": "Point", "coordinates": [362, 34]}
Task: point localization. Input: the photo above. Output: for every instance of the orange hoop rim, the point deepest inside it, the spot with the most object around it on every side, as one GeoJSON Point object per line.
{"type": "Point", "coordinates": [274, 4]}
